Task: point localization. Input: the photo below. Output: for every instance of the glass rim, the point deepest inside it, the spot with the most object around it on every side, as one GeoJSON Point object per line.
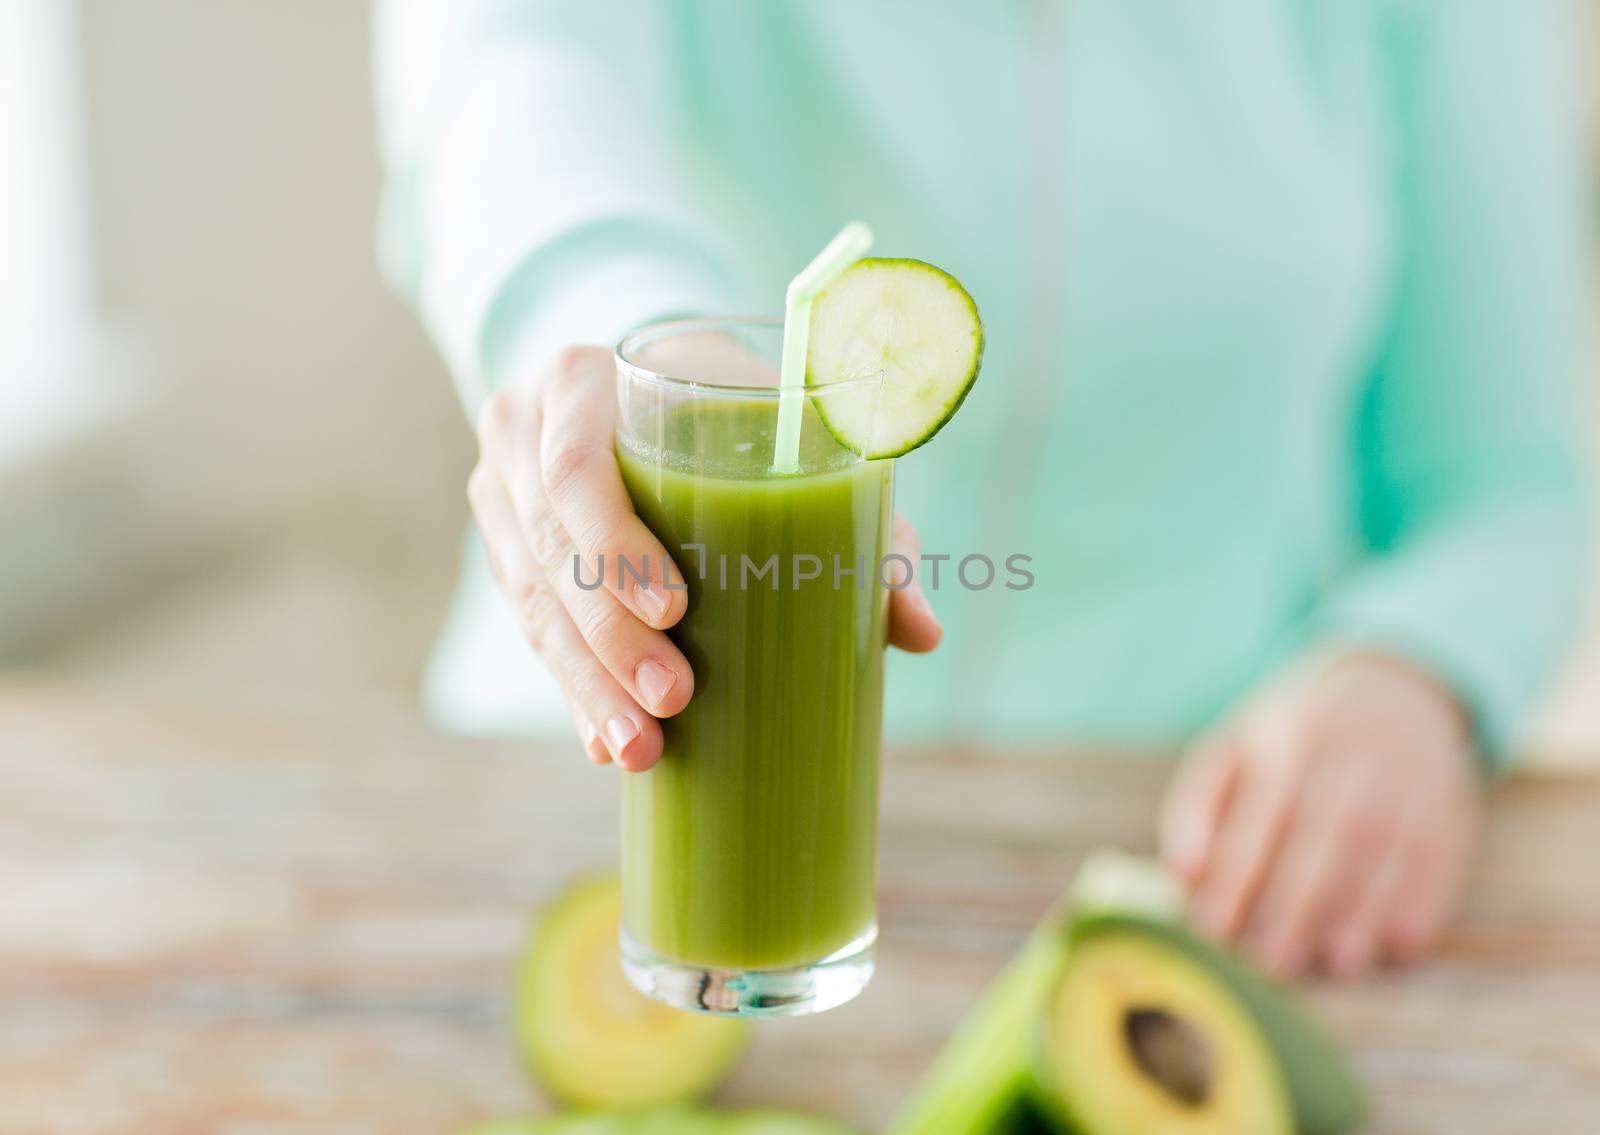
{"type": "Point", "coordinates": [658, 330]}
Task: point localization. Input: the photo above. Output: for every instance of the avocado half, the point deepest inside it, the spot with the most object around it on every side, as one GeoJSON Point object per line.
{"type": "Point", "coordinates": [1151, 1028]}
{"type": "Point", "coordinates": [590, 1039]}
{"type": "Point", "coordinates": [980, 1084]}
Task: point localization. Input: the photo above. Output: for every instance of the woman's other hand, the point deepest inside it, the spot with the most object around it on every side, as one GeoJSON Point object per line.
{"type": "Point", "coordinates": [1330, 824]}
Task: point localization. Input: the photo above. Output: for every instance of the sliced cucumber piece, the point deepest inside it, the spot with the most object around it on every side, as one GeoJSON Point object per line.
{"type": "Point", "coordinates": [590, 1038]}
{"type": "Point", "coordinates": [783, 1123]}
{"type": "Point", "coordinates": [914, 324]}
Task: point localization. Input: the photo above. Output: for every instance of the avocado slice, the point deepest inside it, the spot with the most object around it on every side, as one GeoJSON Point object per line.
{"type": "Point", "coordinates": [592, 1123]}
{"type": "Point", "coordinates": [637, 1121]}
{"type": "Point", "coordinates": [675, 1121]}
{"type": "Point", "coordinates": [981, 1081]}
{"type": "Point", "coordinates": [593, 1041]}
{"type": "Point", "coordinates": [1152, 1027]}
{"type": "Point", "coordinates": [769, 1122]}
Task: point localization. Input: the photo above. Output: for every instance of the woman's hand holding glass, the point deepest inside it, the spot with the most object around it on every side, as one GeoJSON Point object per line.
{"type": "Point", "coordinates": [550, 503]}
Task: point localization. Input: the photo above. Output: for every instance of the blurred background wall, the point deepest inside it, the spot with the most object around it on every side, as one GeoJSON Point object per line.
{"type": "Point", "coordinates": [271, 514]}
{"type": "Point", "coordinates": [253, 491]}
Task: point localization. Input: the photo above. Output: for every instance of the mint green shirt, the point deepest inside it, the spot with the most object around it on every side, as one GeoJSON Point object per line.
{"type": "Point", "coordinates": [1284, 303]}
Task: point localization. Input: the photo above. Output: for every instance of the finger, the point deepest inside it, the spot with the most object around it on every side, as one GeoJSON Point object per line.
{"type": "Point", "coordinates": [1365, 931]}
{"type": "Point", "coordinates": [913, 626]}
{"type": "Point", "coordinates": [629, 735]}
{"type": "Point", "coordinates": [1193, 806]}
{"type": "Point", "coordinates": [1339, 833]}
{"type": "Point", "coordinates": [1349, 938]}
{"type": "Point", "coordinates": [575, 463]}
{"type": "Point", "coordinates": [1352, 946]}
{"type": "Point", "coordinates": [1432, 880]}
{"type": "Point", "coordinates": [476, 485]}
{"type": "Point", "coordinates": [645, 661]}
{"type": "Point", "coordinates": [1248, 833]}
{"type": "Point", "coordinates": [510, 560]}
{"type": "Point", "coordinates": [593, 747]}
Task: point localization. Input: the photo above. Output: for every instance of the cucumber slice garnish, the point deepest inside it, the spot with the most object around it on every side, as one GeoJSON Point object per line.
{"type": "Point", "coordinates": [910, 321]}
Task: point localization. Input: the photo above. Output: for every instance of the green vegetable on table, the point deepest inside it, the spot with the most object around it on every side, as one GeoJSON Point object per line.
{"type": "Point", "coordinates": [593, 1041]}
{"type": "Point", "coordinates": [1115, 1019]}
{"type": "Point", "coordinates": [664, 1121]}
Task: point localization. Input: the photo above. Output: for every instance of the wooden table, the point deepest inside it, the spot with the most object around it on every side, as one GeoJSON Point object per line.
{"type": "Point", "coordinates": [213, 924]}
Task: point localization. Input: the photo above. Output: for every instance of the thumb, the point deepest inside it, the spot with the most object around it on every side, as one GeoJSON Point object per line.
{"type": "Point", "coordinates": [912, 624]}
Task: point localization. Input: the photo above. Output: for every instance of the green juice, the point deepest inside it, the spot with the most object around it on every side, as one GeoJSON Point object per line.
{"type": "Point", "coordinates": [752, 844]}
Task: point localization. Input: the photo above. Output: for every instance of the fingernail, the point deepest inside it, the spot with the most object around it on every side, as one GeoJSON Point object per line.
{"type": "Point", "coordinates": [651, 601]}
{"type": "Point", "coordinates": [655, 682]}
{"type": "Point", "coordinates": [619, 731]}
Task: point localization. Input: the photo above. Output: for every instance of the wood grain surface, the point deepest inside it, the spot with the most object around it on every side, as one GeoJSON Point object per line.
{"type": "Point", "coordinates": [216, 924]}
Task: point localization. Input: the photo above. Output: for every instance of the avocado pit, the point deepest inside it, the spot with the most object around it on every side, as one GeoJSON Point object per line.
{"type": "Point", "coordinates": [1171, 1052]}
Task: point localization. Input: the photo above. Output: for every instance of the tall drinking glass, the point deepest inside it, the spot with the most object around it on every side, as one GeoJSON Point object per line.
{"type": "Point", "coordinates": [749, 850]}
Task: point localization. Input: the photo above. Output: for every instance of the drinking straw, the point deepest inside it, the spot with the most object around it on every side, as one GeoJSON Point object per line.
{"type": "Point", "coordinates": [842, 251]}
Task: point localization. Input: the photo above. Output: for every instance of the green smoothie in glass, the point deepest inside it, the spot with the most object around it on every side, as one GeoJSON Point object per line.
{"type": "Point", "coordinates": [750, 844]}
{"type": "Point", "coordinates": [748, 849]}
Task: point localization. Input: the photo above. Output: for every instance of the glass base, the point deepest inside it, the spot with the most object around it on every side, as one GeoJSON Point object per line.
{"type": "Point", "coordinates": [752, 993]}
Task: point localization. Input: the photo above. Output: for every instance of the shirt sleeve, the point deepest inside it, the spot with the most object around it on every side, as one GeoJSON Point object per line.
{"type": "Point", "coordinates": [532, 194]}
{"type": "Point", "coordinates": [1470, 441]}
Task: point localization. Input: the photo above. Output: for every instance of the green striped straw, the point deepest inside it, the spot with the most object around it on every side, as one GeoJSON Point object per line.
{"type": "Point", "coordinates": [842, 251]}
